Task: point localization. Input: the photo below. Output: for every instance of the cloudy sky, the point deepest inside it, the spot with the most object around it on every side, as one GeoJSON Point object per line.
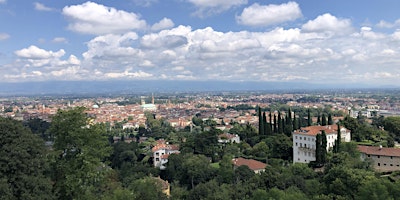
{"type": "Point", "coordinates": [315, 41]}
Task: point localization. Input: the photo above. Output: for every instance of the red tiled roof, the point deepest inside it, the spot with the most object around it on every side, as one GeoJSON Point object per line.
{"type": "Point", "coordinates": [314, 130]}
{"type": "Point", "coordinates": [226, 135]}
{"type": "Point", "coordinates": [165, 146]}
{"type": "Point", "coordinates": [384, 151]}
{"type": "Point", "coordinates": [252, 164]}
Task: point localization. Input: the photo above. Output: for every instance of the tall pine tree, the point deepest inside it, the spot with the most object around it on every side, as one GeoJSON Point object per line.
{"type": "Point", "coordinates": [323, 120]}
{"type": "Point", "coordinates": [275, 124]}
{"type": "Point", "coordinates": [330, 120]}
{"type": "Point", "coordinates": [260, 122]}
{"type": "Point", "coordinates": [309, 119]}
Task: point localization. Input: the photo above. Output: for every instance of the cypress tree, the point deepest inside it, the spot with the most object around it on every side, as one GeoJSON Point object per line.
{"type": "Point", "coordinates": [309, 120]}
{"type": "Point", "coordinates": [323, 147]}
{"type": "Point", "coordinates": [267, 126]}
{"type": "Point", "coordinates": [270, 121]}
{"type": "Point", "coordinates": [318, 150]}
{"type": "Point", "coordinates": [260, 122]}
{"type": "Point", "coordinates": [330, 120]}
{"type": "Point", "coordinates": [295, 122]}
{"type": "Point", "coordinates": [280, 124]}
{"type": "Point", "coordinates": [323, 120]}
{"type": "Point", "coordinates": [338, 140]}
{"type": "Point", "coordinates": [275, 124]}
{"type": "Point", "coordinates": [264, 123]}
{"type": "Point", "coordinates": [319, 120]}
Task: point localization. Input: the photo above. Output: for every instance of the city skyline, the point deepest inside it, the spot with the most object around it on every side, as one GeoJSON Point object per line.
{"type": "Point", "coordinates": [318, 42]}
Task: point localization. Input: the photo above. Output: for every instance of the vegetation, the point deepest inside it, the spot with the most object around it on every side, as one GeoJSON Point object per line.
{"type": "Point", "coordinates": [83, 163]}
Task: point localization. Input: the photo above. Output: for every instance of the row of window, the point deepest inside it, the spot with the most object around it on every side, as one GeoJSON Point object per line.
{"type": "Point", "coordinates": [384, 164]}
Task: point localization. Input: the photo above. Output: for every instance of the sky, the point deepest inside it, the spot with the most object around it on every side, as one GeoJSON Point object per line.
{"type": "Point", "coordinates": [313, 41]}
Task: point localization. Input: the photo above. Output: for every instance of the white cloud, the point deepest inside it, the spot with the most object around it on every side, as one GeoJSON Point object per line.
{"type": "Point", "coordinates": [210, 7]}
{"type": "Point", "coordinates": [329, 24]}
{"type": "Point", "coordinates": [384, 24]}
{"type": "Point", "coordinates": [145, 3]}
{"type": "Point", "coordinates": [4, 36]}
{"type": "Point", "coordinates": [33, 52]}
{"type": "Point", "coordinates": [259, 15]}
{"type": "Point", "coordinates": [93, 18]}
{"type": "Point", "coordinates": [165, 23]}
{"type": "Point", "coordinates": [59, 40]}
{"type": "Point", "coordinates": [127, 74]}
{"type": "Point", "coordinates": [3, 1]}
{"type": "Point", "coordinates": [42, 7]}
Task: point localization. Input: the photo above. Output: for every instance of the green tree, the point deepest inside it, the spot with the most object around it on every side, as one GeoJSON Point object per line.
{"type": "Point", "coordinates": [260, 122]}
{"type": "Point", "coordinates": [323, 120]}
{"type": "Point", "coordinates": [79, 151]}
{"type": "Point", "coordinates": [23, 163]}
{"type": "Point", "coordinates": [330, 120]}
{"type": "Point", "coordinates": [309, 119]}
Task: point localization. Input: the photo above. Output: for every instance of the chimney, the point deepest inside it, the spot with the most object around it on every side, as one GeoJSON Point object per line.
{"type": "Point", "coordinates": [380, 147]}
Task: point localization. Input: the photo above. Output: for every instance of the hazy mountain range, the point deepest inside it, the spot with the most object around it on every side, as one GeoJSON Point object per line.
{"type": "Point", "coordinates": [134, 87]}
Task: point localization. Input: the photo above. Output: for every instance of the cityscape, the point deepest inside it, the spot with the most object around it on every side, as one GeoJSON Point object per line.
{"type": "Point", "coordinates": [199, 100]}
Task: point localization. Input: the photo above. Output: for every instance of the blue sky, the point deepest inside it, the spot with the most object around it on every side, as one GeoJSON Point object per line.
{"type": "Point", "coordinates": [316, 41]}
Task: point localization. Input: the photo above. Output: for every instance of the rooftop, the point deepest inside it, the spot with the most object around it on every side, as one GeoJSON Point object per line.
{"type": "Point", "coordinates": [381, 151]}
{"type": "Point", "coordinates": [252, 164]}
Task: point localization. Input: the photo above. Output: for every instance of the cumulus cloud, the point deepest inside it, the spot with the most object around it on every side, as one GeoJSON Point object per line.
{"type": "Point", "coordinates": [4, 36]}
{"type": "Point", "coordinates": [97, 19]}
{"type": "Point", "coordinates": [210, 7]}
{"type": "Point", "coordinates": [41, 7]}
{"type": "Point", "coordinates": [34, 52]}
{"type": "Point", "coordinates": [328, 23]}
{"type": "Point", "coordinates": [265, 15]}
{"type": "Point", "coordinates": [165, 23]}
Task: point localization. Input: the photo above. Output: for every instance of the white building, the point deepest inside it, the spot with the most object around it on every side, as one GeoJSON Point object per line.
{"type": "Point", "coordinates": [304, 141]}
{"type": "Point", "coordinates": [161, 153]}
{"type": "Point", "coordinates": [228, 138]}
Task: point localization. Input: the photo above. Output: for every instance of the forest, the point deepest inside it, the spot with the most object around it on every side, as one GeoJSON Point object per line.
{"type": "Point", "coordinates": [72, 158]}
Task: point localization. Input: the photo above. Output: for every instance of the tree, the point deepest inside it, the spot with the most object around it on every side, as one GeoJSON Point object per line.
{"type": "Point", "coordinates": [330, 120]}
{"type": "Point", "coordinates": [275, 124]}
{"type": "Point", "coordinates": [260, 122]}
{"type": "Point", "coordinates": [23, 163]}
{"type": "Point", "coordinates": [336, 147]}
{"type": "Point", "coordinates": [323, 120]}
{"type": "Point", "coordinates": [309, 120]}
{"type": "Point", "coordinates": [267, 127]}
{"type": "Point", "coordinates": [79, 151]}
{"type": "Point", "coordinates": [320, 150]}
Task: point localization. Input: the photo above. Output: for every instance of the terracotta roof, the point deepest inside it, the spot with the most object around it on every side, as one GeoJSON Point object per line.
{"type": "Point", "coordinates": [384, 151]}
{"type": "Point", "coordinates": [226, 135]}
{"type": "Point", "coordinates": [314, 130]}
{"type": "Point", "coordinates": [165, 146]}
{"type": "Point", "coordinates": [252, 164]}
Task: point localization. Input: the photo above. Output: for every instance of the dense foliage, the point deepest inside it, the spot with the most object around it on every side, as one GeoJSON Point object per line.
{"type": "Point", "coordinates": [84, 163]}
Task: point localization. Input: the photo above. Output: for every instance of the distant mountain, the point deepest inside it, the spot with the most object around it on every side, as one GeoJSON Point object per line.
{"type": "Point", "coordinates": [137, 87]}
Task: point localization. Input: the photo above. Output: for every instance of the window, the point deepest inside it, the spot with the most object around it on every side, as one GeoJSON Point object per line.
{"type": "Point", "coordinates": [379, 164]}
{"type": "Point", "coordinates": [296, 144]}
{"type": "Point", "coordinates": [391, 165]}
{"type": "Point", "coordinates": [301, 144]}
{"type": "Point", "coordinates": [369, 156]}
{"type": "Point", "coordinates": [157, 153]}
{"type": "Point", "coordinates": [384, 164]}
{"type": "Point", "coordinates": [157, 159]}
{"type": "Point", "coordinates": [305, 145]}
{"type": "Point", "coordinates": [301, 138]}
{"type": "Point", "coordinates": [391, 157]}
{"type": "Point", "coordinates": [379, 156]}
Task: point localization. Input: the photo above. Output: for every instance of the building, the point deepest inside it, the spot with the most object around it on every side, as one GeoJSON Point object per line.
{"type": "Point", "coordinates": [304, 141]}
{"type": "Point", "coordinates": [384, 159]}
{"type": "Point", "coordinates": [228, 138]}
{"type": "Point", "coordinates": [254, 165]}
{"type": "Point", "coordinates": [161, 153]}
